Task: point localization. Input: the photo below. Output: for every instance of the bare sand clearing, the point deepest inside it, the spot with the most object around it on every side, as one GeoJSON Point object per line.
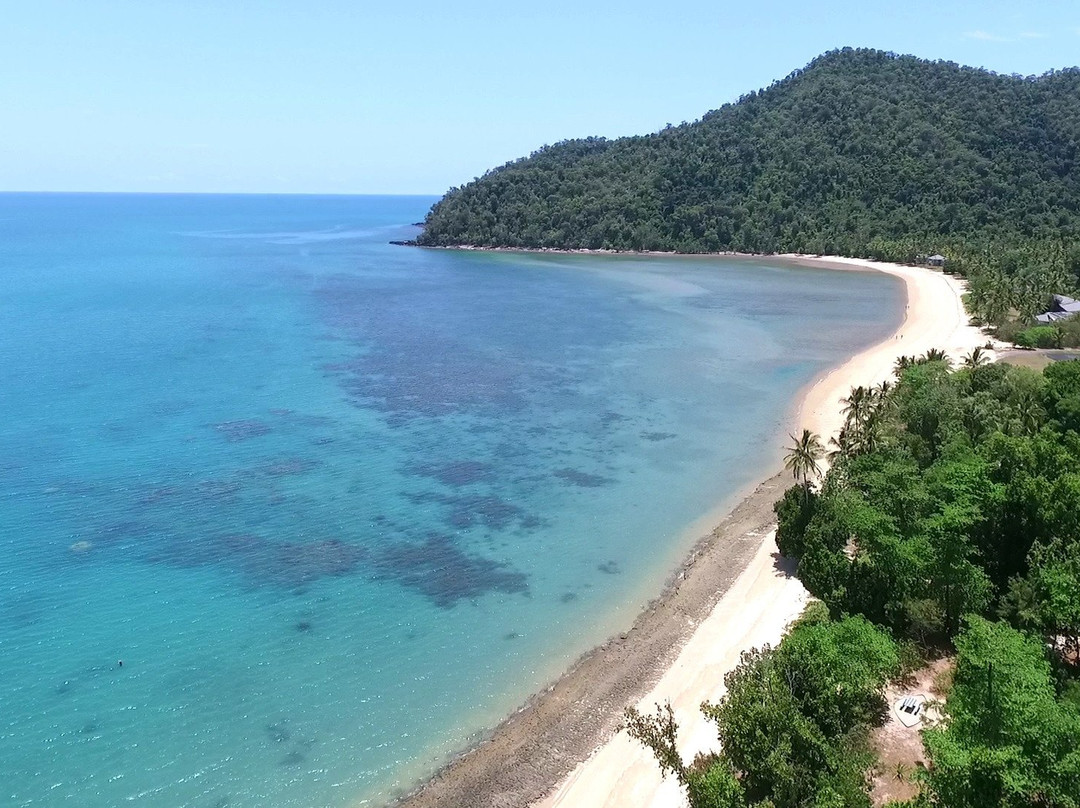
{"type": "Point", "coordinates": [733, 593]}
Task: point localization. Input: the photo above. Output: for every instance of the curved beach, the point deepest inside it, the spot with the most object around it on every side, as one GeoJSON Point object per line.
{"type": "Point", "coordinates": [732, 593]}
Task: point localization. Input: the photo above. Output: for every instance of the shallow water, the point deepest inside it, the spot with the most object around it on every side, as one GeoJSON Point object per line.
{"type": "Point", "coordinates": [337, 505]}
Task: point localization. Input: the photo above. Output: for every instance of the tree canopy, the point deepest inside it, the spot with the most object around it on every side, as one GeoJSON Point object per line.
{"type": "Point", "coordinates": [1008, 740]}
{"type": "Point", "coordinates": [949, 521]}
{"type": "Point", "coordinates": [861, 153]}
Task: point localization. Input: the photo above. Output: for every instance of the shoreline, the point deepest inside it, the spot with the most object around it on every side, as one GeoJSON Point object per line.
{"type": "Point", "coordinates": [731, 593]}
{"type": "Point", "coordinates": [579, 251]}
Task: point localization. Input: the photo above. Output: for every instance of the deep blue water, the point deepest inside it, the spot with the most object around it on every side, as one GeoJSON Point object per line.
{"type": "Point", "coordinates": [339, 506]}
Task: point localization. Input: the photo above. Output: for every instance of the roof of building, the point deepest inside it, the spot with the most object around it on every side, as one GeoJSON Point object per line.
{"type": "Point", "coordinates": [1054, 316]}
{"type": "Point", "coordinates": [936, 258]}
{"type": "Point", "coordinates": [1063, 303]}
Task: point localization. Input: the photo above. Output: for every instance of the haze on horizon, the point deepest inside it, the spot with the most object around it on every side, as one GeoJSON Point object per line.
{"type": "Point", "coordinates": [379, 97]}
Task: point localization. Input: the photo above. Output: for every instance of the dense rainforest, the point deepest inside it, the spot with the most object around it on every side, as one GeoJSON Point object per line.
{"type": "Point", "coordinates": [948, 523]}
{"type": "Point", "coordinates": [861, 153]}
{"type": "Point", "coordinates": [858, 153]}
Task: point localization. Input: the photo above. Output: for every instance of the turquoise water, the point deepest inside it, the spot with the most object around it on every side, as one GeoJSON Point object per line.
{"type": "Point", "coordinates": [339, 506]}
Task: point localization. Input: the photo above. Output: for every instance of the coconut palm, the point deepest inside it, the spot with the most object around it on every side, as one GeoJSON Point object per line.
{"type": "Point", "coordinates": [977, 358]}
{"type": "Point", "coordinates": [870, 432]}
{"type": "Point", "coordinates": [902, 364]}
{"type": "Point", "coordinates": [857, 407]}
{"type": "Point", "coordinates": [935, 355]}
{"type": "Point", "coordinates": [843, 445]}
{"type": "Point", "coordinates": [882, 401]}
{"type": "Point", "coordinates": [1031, 414]}
{"type": "Point", "coordinates": [802, 457]}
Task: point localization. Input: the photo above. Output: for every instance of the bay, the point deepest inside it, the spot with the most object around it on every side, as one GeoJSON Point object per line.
{"type": "Point", "coordinates": [340, 506]}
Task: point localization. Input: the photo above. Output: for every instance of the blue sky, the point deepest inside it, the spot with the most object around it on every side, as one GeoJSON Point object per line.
{"type": "Point", "coordinates": [413, 96]}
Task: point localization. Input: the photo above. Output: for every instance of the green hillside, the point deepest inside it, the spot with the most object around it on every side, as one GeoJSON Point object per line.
{"type": "Point", "coordinates": [861, 153]}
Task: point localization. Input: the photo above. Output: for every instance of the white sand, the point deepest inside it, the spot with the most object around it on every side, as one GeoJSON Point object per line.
{"type": "Point", "coordinates": [763, 601]}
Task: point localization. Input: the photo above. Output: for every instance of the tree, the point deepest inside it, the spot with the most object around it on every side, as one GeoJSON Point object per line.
{"type": "Point", "coordinates": [802, 457]}
{"type": "Point", "coordinates": [956, 581]}
{"type": "Point", "coordinates": [913, 153]}
{"type": "Point", "coordinates": [837, 670]}
{"type": "Point", "coordinates": [977, 358]}
{"type": "Point", "coordinates": [659, 733]}
{"type": "Point", "coordinates": [1062, 393]}
{"type": "Point", "coordinates": [777, 750]}
{"type": "Point", "coordinates": [1030, 413]}
{"type": "Point", "coordinates": [902, 364]}
{"type": "Point", "coordinates": [1006, 741]}
{"type": "Point", "coordinates": [936, 355]}
{"type": "Point", "coordinates": [793, 513]}
{"type": "Point", "coordinates": [881, 393]}
{"type": "Point", "coordinates": [843, 445]}
{"type": "Point", "coordinates": [928, 408]}
{"type": "Point", "coordinates": [1047, 599]}
{"type": "Point", "coordinates": [857, 408]}
{"type": "Point", "coordinates": [793, 721]}
{"type": "Point", "coordinates": [709, 781]}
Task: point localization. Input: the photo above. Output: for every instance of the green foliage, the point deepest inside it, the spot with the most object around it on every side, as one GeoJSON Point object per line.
{"type": "Point", "coordinates": [1047, 599]}
{"type": "Point", "coordinates": [802, 458]}
{"type": "Point", "coordinates": [969, 504]}
{"type": "Point", "coordinates": [778, 751]}
{"type": "Point", "coordinates": [794, 719]}
{"type": "Point", "coordinates": [1041, 336]}
{"type": "Point", "coordinates": [971, 479]}
{"type": "Point", "coordinates": [861, 153]}
{"type": "Point", "coordinates": [836, 671]}
{"type": "Point", "coordinates": [965, 504]}
{"type": "Point", "coordinates": [956, 581]}
{"type": "Point", "coordinates": [712, 784]}
{"type": "Point", "coordinates": [1008, 741]}
{"type": "Point", "coordinates": [1015, 281]}
{"type": "Point", "coordinates": [1062, 393]}
{"type": "Point", "coordinates": [793, 514]}
{"type": "Point", "coordinates": [793, 725]}
{"type": "Point", "coordinates": [659, 733]}
{"type": "Point", "coordinates": [815, 612]}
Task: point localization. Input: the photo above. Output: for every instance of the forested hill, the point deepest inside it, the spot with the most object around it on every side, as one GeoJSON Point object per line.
{"type": "Point", "coordinates": [861, 153]}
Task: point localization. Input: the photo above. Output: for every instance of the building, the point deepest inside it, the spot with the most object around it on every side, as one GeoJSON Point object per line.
{"type": "Point", "coordinates": [1063, 308]}
{"type": "Point", "coordinates": [936, 261]}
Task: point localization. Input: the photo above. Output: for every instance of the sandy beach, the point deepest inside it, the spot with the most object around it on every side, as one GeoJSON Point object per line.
{"type": "Point", "coordinates": [733, 593]}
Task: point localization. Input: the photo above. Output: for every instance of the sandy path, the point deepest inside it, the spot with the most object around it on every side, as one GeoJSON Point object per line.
{"type": "Point", "coordinates": [763, 600]}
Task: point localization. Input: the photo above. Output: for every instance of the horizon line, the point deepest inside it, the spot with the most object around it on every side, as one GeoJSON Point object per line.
{"type": "Point", "coordinates": [216, 193]}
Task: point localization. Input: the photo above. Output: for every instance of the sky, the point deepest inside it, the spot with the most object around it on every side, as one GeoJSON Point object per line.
{"type": "Point", "coordinates": [416, 96]}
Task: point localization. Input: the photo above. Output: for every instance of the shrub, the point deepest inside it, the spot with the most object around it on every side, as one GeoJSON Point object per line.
{"type": "Point", "coordinates": [793, 514]}
{"type": "Point", "coordinates": [1040, 336]}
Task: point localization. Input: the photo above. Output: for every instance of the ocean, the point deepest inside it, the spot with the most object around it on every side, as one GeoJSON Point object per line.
{"type": "Point", "coordinates": [289, 515]}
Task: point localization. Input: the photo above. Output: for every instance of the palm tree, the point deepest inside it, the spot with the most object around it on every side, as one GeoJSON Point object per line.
{"type": "Point", "coordinates": [870, 431]}
{"type": "Point", "coordinates": [936, 355]}
{"type": "Point", "coordinates": [802, 457]}
{"type": "Point", "coordinates": [857, 407]}
{"type": "Point", "coordinates": [841, 446]}
{"type": "Point", "coordinates": [1031, 414]}
{"type": "Point", "coordinates": [976, 358]}
{"type": "Point", "coordinates": [902, 364]}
